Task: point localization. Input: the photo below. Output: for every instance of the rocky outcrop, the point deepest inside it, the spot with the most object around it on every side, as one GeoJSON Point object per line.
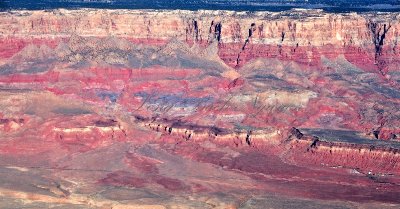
{"type": "Point", "coordinates": [186, 132]}
{"type": "Point", "coordinates": [373, 159]}
{"type": "Point", "coordinates": [101, 130]}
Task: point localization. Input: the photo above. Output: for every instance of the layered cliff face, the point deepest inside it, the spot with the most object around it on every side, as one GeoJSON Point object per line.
{"type": "Point", "coordinates": [368, 40]}
{"type": "Point", "coordinates": [294, 27]}
{"type": "Point", "coordinates": [154, 103]}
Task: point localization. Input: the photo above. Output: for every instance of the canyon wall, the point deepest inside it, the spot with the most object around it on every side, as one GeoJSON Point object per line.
{"type": "Point", "coordinates": [370, 40]}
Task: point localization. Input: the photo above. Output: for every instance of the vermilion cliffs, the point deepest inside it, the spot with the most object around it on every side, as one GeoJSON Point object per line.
{"type": "Point", "coordinates": [199, 109]}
